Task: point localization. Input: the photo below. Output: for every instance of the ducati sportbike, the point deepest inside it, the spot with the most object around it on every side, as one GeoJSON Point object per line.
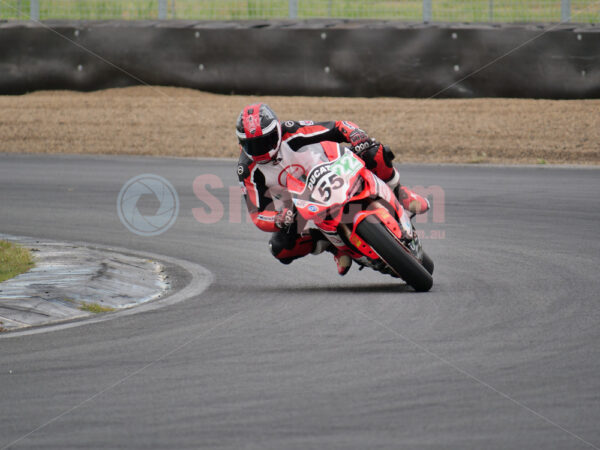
{"type": "Point", "coordinates": [359, 214]}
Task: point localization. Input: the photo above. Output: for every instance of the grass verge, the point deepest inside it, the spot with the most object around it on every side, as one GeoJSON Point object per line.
{"type": "Point", "coordinates": [409, 10]}
{"type": "Point", "coordinates": [95, 308]}
{"type": "Point", "coordinates": [14, 260]}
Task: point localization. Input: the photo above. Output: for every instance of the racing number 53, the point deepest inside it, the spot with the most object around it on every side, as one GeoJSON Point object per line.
{"type": "Point", "coordinates": [325, 186]}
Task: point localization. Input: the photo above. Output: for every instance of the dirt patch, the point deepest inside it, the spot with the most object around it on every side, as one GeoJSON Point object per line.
{"type": "Point", "coordinates": [183, 122]}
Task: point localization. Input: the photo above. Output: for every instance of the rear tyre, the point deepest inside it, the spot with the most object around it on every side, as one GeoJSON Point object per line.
{"type": "Point", "coordinates": [389, 249]}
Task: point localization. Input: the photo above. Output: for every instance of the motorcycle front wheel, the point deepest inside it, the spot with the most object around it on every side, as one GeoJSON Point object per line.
{"type": "Point", "coordinates": [386, 245]}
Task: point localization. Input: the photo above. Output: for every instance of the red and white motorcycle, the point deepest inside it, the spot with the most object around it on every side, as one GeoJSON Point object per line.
{"type": "Point", "coordinates": [359, 214]}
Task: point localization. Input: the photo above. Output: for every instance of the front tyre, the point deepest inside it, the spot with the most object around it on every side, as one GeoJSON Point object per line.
{"type": "Point", "coordinates": [427, 263]}
{"type": "Point", "coordinates": [393, 253]}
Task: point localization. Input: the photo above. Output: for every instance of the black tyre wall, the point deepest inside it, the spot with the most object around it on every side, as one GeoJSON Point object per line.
{"type": "Point", "coordinates": [316, 57]}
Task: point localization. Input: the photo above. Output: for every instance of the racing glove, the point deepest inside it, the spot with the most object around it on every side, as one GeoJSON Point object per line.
{"type": "Point", "coordinates": [363, 147]}
{"type": "Point", "coordinates": [358, 137]}
{"type": "Point", "coordinates": [285, 219]}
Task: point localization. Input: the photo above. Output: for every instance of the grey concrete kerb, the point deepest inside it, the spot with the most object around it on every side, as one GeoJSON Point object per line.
{"type": "Point", "coordinates": [73, 281]}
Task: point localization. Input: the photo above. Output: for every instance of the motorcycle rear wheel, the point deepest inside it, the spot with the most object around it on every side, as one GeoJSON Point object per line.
{"type": "Point", "coordinates": [393, 253]}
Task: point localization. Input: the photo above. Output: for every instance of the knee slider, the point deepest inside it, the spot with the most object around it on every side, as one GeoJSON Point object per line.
{"type": "Point", "coordinates": [280, 241]}
{"type": "Point", "coordinates": [276, 246]}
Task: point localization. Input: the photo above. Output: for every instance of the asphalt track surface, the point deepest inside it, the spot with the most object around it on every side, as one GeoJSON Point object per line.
{"type": "Point", "coordinates": [504, 352]}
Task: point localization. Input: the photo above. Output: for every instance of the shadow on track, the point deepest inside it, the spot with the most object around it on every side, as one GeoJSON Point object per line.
{"type": "Point", "coordinates": [345, 289]}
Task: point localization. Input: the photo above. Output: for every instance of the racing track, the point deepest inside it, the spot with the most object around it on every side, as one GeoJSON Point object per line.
{"type": "Point", "coordinates": [504, 352]}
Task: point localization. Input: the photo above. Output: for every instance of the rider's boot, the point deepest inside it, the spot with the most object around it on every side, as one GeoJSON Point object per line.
{"type": "Point", "coordinates": [411, 201]}
{"type": "Point", "coordinates": [343, 261]}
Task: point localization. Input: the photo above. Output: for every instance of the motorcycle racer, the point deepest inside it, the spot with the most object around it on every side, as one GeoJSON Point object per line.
{"type": "Point", "coordinates": [268, 155]}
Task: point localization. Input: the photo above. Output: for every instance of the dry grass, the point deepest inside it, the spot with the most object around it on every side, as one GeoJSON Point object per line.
{"type": "Point", "coordinates": [183, 122]}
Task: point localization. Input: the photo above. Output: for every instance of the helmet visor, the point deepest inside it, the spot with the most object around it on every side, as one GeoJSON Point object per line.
{"type": "Point", "coordinates": [261, 145]}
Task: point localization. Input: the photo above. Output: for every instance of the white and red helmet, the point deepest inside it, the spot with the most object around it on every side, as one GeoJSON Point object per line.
{"type": "Point", "coordinates": [259, 132]}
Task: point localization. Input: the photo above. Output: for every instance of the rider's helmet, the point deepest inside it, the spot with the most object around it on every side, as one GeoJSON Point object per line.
{"type": "Point", "coordinates": [259, 132]}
